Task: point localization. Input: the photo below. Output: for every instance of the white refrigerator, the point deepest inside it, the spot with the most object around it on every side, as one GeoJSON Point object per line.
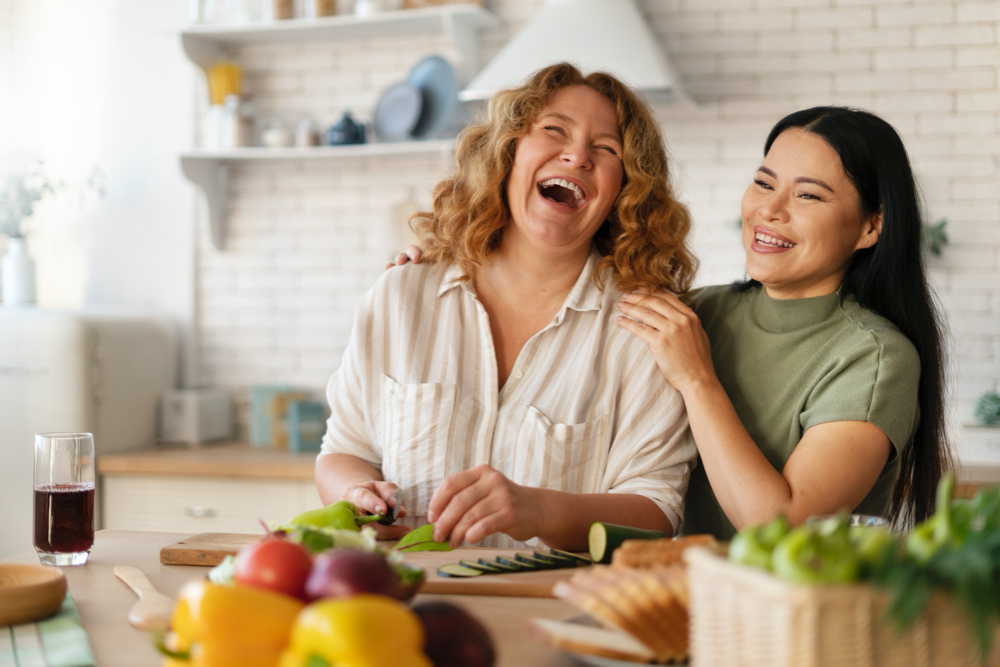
{"type": "Point", "coordinates": [100, 372]}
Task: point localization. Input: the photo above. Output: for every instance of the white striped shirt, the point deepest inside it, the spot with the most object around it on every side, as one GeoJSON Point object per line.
{"type": "Point", "coordinates": [585, 408]}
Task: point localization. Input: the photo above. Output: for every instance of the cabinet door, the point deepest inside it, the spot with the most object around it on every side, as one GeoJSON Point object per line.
{"type": "Point", "coordinates": [202, 504]}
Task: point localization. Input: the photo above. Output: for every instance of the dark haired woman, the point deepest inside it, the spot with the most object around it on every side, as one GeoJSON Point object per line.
{"type": "Point", "coordinates": [816, 385]}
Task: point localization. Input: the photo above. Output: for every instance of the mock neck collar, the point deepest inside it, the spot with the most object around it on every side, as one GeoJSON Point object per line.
{"type": "Point", "coordinates": [787, 315]}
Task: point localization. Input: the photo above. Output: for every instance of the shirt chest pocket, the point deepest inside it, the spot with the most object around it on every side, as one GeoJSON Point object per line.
{"type": "Point", "coordinates": [415, 433]}
{"type": "Point", "coordinates": [565, 457]}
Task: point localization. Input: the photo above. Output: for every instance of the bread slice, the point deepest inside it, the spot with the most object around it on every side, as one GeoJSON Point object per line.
{"type": "Point", "coordinates": [654, 553]}
{"type": "Point", "coordinates": [590, 640]}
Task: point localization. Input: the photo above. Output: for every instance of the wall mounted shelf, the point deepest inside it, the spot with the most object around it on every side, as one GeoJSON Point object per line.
{"type": "Point", "coordinates": [209, 170]}
{"type": "Point", "coordinates": [207, 44]}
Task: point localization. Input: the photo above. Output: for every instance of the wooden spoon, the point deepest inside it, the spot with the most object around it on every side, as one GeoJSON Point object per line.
{"type": "Point", "coordinates": [153, 609]}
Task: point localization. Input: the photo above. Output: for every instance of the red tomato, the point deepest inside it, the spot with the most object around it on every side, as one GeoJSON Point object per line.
{"type": "Point", "coordinates": [275, 565]}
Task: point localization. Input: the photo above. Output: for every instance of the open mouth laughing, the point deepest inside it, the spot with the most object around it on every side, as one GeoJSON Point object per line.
{"type": "Point", "coordinates": [765, 239]}
{"type": "Point", "coordinates": [562, 191]}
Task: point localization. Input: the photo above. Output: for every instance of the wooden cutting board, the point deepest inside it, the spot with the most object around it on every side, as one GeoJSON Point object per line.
{"type": "Point", "coordinates": [208, 549]}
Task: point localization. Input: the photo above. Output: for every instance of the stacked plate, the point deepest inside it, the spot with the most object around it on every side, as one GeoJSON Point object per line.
{"type": "Point", "coordinates": [420, 106]}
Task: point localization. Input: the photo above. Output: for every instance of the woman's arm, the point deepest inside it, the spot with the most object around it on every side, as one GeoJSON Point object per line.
{"type": "Point", "coordinates": [473, 504]}
{"type": "Point", "coordinates": [346, 477]}
{"type": "Point", "coordinates": [833, 467]}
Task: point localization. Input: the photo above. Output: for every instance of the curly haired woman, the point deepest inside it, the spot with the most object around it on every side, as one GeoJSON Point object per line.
{"type": "Point", "coordinates": [490, 385]}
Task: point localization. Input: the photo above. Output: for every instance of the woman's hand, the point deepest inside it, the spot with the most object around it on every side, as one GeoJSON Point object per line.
{"type": "Point", "coordinates": [413, 254]}
{"type": "Point", "coordinates": [375, 498]}
{"type": "Point", "coordinates": [674, 334]}
{"type": "Point", "coordinates": [476, 503]}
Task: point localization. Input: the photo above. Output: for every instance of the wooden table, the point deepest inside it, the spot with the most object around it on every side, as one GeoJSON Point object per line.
{"type": "Point", "coordinates": [103, 601]}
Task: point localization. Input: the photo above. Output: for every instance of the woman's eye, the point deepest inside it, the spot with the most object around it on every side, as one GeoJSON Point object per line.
{"type": "Point", "coordinates": [763, 185]}
{"type": "Point", "coordinates": [555, 128]}
{"type": "Point", "coordinates": [808, 195]}
{"type": "Point", "coordinates": [609, 149]}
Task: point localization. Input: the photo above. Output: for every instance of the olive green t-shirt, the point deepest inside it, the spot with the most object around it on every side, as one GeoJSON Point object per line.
{"type": "Point", "coordinates": [788, 365]}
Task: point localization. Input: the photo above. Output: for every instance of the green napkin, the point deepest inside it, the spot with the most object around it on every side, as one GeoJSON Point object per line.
{"type": "Point", "coordinates": [59, 641]}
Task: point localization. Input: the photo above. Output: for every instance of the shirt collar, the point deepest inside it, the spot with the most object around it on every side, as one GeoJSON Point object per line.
{"type": "Point", "coordinates": [584, 296]}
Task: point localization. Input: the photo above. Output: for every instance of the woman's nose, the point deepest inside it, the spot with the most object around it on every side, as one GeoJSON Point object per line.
{"type": "Point", "coordinates": [577, 155]}
{"type": "Point", "coordinates": [775, 207]}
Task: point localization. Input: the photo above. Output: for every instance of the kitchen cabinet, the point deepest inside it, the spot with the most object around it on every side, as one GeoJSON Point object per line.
{"type": "Point", "coordinates": [218, 488]}
{"type": "Point", "coordinates": [208, 44]}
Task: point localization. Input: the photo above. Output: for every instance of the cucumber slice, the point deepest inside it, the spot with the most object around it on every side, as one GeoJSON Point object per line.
{"type": "Point", "coordinates": [456, 570]}
{"type": "Point", "coordinates": [536, 562]}
{"type": "Point", "coordinates": [558, 561]}
{"type": "Point", "coordinates": [604, 538]}
{"type": "Point", "coordinates": [488, 569]}
{"type": "Point", "coordinates": [580, 560]}
{"type": "Point", "coordinates": [516, 563]}
{"type": "Point", "coordinates": [501, 566]}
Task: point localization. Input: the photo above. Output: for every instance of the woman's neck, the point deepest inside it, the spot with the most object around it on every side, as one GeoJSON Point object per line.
{"type": "Point", "coordinates": [524, 275]}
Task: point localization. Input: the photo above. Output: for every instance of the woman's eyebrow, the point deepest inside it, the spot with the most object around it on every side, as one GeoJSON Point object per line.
{"type": "Point", "coordinates": [569, 121]}
{"type": "Point", "coordinates": [800, 179]}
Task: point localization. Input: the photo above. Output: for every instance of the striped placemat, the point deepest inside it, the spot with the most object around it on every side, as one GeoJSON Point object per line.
{"type": "Point", "coordinates": [59, 641]}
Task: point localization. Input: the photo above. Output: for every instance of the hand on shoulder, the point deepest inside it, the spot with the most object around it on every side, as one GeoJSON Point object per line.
{"type": "Point", "coordinates": [414, 254]}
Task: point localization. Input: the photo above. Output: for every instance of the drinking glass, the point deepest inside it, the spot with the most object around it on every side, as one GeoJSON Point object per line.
{"type": "Point", "coordinates": [64, 497]}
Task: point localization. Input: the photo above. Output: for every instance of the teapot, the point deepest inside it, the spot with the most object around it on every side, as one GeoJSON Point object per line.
{"type": "Point", "coordinates": [345, 132]}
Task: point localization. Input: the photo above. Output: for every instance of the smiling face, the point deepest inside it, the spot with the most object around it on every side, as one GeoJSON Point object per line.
{"type": "Point", "coordinates": [802, 219]}
{"type": "Point", "coordinates": [567, 173]}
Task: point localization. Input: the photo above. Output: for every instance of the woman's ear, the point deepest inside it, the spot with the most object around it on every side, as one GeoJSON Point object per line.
{"type": "Point", "coordinates": [871, 229]}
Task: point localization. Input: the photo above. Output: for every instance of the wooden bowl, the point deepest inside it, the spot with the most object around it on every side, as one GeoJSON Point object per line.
{"type": "Point", "coordinates": [30, 592]}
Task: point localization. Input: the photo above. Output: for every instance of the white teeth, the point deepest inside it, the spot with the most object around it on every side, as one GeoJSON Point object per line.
{"type": "Point", "coordinates": [569, 185]}
{"type": "Point", "coordinates": [771, 241]}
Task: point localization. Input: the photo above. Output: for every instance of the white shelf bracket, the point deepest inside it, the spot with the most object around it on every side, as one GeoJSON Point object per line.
{"type": "Point", "coordinates": [212, 176]}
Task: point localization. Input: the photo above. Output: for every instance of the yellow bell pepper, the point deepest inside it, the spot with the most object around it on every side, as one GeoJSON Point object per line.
{"type": "Point", "coordinates": [359, 631]}
{"type": "Point", "coordinates": [223, 626]}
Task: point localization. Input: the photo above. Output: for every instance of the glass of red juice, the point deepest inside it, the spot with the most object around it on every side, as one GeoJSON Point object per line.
{"type": "Point", "coordinates": [64, 497]}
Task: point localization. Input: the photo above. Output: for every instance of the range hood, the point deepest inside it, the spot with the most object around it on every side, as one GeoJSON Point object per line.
{"type": "Point", "coordinates": [606, 35]}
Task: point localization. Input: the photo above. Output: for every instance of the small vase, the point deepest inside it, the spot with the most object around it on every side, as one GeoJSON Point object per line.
{"type": "Point", "coordinates": [17, 274]}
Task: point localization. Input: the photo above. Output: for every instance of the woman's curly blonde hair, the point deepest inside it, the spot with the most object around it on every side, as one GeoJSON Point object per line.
{"type": "Point", "coordinates": [643, 240]}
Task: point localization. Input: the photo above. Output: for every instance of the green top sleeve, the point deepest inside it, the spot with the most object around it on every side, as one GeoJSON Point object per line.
{"type": "Point", "coordinates": [876, 381]}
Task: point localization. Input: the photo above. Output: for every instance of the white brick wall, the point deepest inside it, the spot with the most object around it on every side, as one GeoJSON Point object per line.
{"type": "Point", "coordinates": [307, 240]}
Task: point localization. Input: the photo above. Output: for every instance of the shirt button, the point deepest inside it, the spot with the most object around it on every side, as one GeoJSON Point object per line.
{"type": "Point", "coordinates": [519, 375]}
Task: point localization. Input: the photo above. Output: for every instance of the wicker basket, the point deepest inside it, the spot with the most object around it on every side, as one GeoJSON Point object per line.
{"type": "Point", "coordinates": [744, 616]}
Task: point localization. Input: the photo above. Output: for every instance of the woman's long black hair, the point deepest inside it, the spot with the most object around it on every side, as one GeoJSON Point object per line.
{"type": "Point", "coordinates": [889, 279]}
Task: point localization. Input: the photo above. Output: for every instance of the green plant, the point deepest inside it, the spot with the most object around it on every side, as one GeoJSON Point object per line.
{"type": "Point", "coordinates": [933, 237]}
{"type": "Point", "coordinates": [22, 188]}
{"type": "Point", "coordinates": [988, 409]}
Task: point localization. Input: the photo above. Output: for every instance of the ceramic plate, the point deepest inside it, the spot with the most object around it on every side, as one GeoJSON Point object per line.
{"type": "Point", "coordinates": [397, 112]}
{"type": "Point", "coordinates": [438, 85]}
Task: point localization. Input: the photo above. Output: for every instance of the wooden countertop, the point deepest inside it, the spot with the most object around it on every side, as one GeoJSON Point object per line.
{"type": "Point", "coordinates": [227, 459]}
{"type": "Point", "coordinates": [103, 602]}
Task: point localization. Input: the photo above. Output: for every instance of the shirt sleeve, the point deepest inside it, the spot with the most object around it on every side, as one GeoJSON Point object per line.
{"type": "Point", "coordinates": [878, 384]}
{"type": "Point", "coordinates": [348, 393]}
{"type": "Point", "coordinates": [652, 452]}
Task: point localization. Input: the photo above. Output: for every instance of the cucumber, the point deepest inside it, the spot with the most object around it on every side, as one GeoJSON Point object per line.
{"type": "Point", "coordinates": [558, 561]}
{"type": "Point", "coordinates": [604, 538]}
{"type": "Point", "coordinates": [456, 570]}
{"type": "Point", "coordinates": [488, 569]}
{"type": "Point", "coordinates": [580, 560]}
{"type": "Point", "coordinates": [537, 562]}
{"type": "Point", "coordinates": [500, 566]}
{"type": "Point", "coordinates": [513, 562]}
